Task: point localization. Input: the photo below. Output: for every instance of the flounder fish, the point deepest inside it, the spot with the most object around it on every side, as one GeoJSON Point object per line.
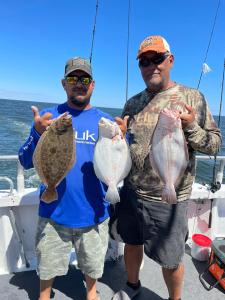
{"type": "Point", "coordinates": [169, 153]}
{"type": "Point", "coordinates": [112, 161]}
{"type": "Point", "coordinates": [54, 155]}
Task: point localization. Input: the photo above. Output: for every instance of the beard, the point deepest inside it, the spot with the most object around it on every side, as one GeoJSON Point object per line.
{"type": "Point", "coordinates": [79, 102]}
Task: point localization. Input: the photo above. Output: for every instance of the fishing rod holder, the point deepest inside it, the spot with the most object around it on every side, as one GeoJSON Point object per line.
{"type": "Point", "coordinates": [216, 185]}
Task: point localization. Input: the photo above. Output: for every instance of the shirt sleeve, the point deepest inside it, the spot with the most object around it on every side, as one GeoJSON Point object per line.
{"type": "Point", "coordinates": [206, 137]}
{"type": "Point", "coordinates": [26, 151]}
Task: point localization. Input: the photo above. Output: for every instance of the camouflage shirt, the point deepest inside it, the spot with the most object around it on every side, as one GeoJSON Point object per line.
{"type": "Point", "coordinates": [202, 135]}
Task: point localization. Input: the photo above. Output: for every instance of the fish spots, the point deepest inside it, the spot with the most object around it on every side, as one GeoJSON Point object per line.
{"type": "Point", "coordinates": [53, 150]}
{"type": "Point", "coordinates": [54, 155]}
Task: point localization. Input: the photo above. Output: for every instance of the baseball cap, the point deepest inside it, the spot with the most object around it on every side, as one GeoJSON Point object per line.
{"type": "Point", "coordinates": [78, 63]}
{"type": "Point", "coordinates": [153, 43]}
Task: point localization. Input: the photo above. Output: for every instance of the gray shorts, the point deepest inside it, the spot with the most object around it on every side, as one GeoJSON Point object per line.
{"type": "Point", "coordinates": [54, 243]}
{"type": "Point", "coordinates": [160, 227]}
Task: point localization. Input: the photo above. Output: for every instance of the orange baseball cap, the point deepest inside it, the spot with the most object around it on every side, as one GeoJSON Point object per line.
{"type": "Point", "coordinates": [153, 43]}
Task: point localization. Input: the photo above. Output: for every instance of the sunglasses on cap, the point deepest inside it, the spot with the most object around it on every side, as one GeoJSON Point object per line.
{"type": "Point", "coordinates": [156, 59]}
{"type": "Point", "coordinates": [84, 79]}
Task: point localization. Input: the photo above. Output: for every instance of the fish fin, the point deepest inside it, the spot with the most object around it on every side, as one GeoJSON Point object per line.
{"type": "Point", "coordinates": [112, 194]}
{"type": "Point", "coordinates": [49, 195]}
{"type": "Point", "coordinates": [169, 194]}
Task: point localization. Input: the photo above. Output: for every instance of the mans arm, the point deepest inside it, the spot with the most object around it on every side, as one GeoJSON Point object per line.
{"type": "Point", "coordinates": [27, 150]}
{"type": "Point", "coordinates": [205, 137]}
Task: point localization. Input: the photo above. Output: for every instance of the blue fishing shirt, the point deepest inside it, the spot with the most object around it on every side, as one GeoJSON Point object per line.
{"type": "Point", "coordinates": [81, 196]}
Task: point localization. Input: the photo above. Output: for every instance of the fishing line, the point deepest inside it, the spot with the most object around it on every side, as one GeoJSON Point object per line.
{"type": "Point", "coordinates": [141, 223]}
{"type": "Point", "coordinates": [210, 39]}
{"type": "Point", "coordinates": [128, 41]}
{"type": "Point", "coordinates": [93, 33]}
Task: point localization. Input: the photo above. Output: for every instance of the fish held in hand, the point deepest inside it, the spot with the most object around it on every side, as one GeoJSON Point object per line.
{"type": "Point", "coordinates": [169, 153]}
{"type": "Point", "coordinates": [54, 155]}
{"type": "Point", "coordinates": [112, 161]}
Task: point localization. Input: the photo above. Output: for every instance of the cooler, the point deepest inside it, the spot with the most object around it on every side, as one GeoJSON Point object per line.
{"type": "Point", "coordinates": [216, 265]}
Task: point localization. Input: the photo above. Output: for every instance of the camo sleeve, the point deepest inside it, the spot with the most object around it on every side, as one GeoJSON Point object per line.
{"type": "Point", "coordinates": [128, 109]}
{"type": "Point", "coordinates": [203, 135]}
{"type": "Point", "coordinates": [136, 104]}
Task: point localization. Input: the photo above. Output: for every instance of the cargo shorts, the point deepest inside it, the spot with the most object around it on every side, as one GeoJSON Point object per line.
{"type": "Point", "coordinates": [54, 243]}
{"type": "Point", "coordinates": [162, 228]}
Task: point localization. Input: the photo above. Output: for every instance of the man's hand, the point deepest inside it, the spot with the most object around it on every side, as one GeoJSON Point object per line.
{"type": "Point", "coordinates": [41, 122]}
{"type": "Point", "coordinates": [122, 124]}
{"type": "Point", "coordinates": [187, 118]}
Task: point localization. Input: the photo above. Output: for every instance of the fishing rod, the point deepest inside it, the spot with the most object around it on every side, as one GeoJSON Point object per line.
{"type": "Point", "coordinates": [93, 33]}
{"type": "Point", "coordinates": [216, 184]}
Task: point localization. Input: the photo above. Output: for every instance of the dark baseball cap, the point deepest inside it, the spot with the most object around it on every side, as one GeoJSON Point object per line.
{"type": "Point", "coordinates": [78, 63]}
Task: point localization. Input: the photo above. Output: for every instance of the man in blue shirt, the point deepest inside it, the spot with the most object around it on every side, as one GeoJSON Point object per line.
{"type": "Point", "coordinates": [79, 217]}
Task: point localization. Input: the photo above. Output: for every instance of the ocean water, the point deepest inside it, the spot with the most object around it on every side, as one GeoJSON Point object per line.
{"type": "Point", "coordinates": [15, 121]}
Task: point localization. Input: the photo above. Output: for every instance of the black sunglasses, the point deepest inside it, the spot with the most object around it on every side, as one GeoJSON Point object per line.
{"type": "Point", "coordinates": [156, 60]}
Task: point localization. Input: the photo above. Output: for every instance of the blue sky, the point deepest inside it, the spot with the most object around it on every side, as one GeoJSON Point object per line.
{"type": "Point", "coordinates": [37, 37]}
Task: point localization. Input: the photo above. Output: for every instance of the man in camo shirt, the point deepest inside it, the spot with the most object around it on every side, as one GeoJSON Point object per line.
{"type": "Point", "coordinates": [143, 219]}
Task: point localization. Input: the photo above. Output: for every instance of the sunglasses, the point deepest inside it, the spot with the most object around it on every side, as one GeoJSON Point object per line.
{"type": "Point", "coordinates": [86, 80]}
{"type": "Point", "coordinates": [156, 60]}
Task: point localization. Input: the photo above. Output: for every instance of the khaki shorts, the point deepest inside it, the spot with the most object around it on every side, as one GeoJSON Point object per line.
{"type": "Point", "coordinates": [54, 243]}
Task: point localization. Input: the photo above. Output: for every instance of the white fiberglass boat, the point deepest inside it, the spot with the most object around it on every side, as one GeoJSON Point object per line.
{"type": "Point", "coordinates": [19, 212]}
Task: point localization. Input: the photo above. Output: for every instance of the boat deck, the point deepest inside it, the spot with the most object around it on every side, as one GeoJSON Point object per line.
{"type": "Point", "coordinates": [25, 285]}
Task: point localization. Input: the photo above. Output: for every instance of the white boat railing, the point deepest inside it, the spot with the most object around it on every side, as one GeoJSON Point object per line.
{"type": "Point", "coordinates": [9, 181]}
{"type": "Point", "coordinates": [21, 181]}
{"type": "Point", "coordinates": [20, 171]}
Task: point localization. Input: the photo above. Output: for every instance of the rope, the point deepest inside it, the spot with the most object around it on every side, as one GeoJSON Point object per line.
{"type": "Point", "coordinates": [93, 33]}
{"type": "Point", "coordinates": [210, 39]}
{"type": "Point", "coordinates": [128, 40]}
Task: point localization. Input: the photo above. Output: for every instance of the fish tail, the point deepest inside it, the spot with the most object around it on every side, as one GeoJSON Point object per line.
{"type": "Point", "coordinates": [112, 194]}
{"type": "Point", "coordinates": [169, 194]}
{"type": "Point", "coordinates": [49, 195]}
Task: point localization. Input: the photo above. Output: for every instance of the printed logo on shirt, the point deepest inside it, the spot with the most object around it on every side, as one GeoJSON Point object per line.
{"type": "Point", "coordinates": [85, 137]}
